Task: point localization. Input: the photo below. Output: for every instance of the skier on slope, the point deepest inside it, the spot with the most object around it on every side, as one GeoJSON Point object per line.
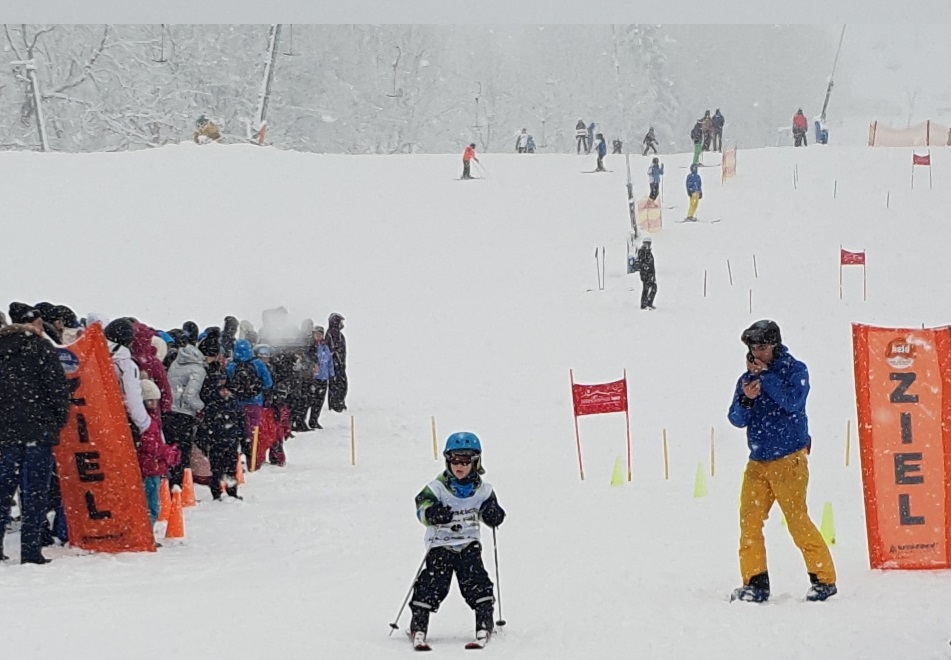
{"type": "Point", "coordinates": [602, 149]}
{"type": "Point", "coordinates": [655, 172]}
{"type": "Point", "coordinates": [696, 136]}
{"type": "Point", "coordinates": [694, 191]}
{"type": "Point", "coordinates": [468, 155]}
{"type": "Point", "coordinates": [581, 136]}
{"type": "Point", "coordinates": [451, 507]}
{"type": "Point", "coordinates": [718, 122]}
{"type": "Point", "coordinates": [521, 141]}
{"type": "Point", "coordinates": [800, 127]}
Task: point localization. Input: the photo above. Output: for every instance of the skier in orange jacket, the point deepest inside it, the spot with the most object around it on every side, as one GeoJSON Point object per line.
{"type": "Point", "coordinates": [468, 155]}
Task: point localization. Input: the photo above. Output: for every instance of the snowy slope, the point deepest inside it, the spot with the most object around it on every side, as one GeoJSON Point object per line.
{"type": "Point", "coordinates": [469, 301]}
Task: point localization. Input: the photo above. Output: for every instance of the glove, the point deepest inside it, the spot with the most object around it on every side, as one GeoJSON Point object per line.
{"type": "Point", "coordinates": [492, 514]}
{"type": "Point", "coordinates": [438, 514]}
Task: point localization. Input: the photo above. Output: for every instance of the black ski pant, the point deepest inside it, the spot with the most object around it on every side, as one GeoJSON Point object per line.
{"type": "Point", "coordinates": [465, 170]}
{"type": "Point", "coordinates": [318, 392]}
{"type": "Point", "coordinates": [27, 466]}
{"type": "Point", "coordinates": [600, 167]}
{"type": "Point", "coordinates": [299, 401]}
{"type": "Point", "coordinates": [337, 390]}
{"type": "Point", "coordinates": [651, 146]}
{"type": "Point", "coordinates": [223, 457]}
{"type": "Point", "coordinates": [655, 190]}
{"type": "Point", "coordinates": [179, 430]}
{"type": "Point", "coordinates": [717, 139]}
{"type": "Point", "coordinates": [648, 291]}
{"type": "Point", "coordinates": [433, 584]}
{"type": "Point", "coordinates": [800, 137]}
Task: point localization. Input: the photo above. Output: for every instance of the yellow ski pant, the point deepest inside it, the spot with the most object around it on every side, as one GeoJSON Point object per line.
{"type": "Point", "coordinates": [694, 200]}
{"type": "Point", "coordinates": [784, 481]}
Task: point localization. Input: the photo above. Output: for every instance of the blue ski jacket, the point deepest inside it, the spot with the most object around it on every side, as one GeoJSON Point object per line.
{"type": "Point", "coordinates": [694, 184]}
{"type": "Point", "coordinates": [325, 362]}
{"type": "Point", "coordinates": [244, 352]}
{"type": "Point", "coordinates": [775, 421]}
{"type": "Point", "coordinates": [655, 172]}
{"type": "Point", "coordinates": [602, 148]}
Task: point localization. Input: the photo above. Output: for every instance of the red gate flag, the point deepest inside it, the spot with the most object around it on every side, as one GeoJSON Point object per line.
{"type": "Point", "coordinates": [852, 258]}
{"type": "Point", "coordinates": [596, 400]}
{"type": "Point", "coordinates": [103, 492]}
{"type": "Point", "coordinates": [903, 395]}
{"type": "Point", "coordinates": [921, 160]}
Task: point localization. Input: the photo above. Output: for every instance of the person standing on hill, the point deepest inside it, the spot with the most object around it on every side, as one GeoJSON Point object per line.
{"type": "Point", "coordinates": [655, 172]}
{"type": "Point", "coordinates": [645, 263]}
{"type": "Point", "coordinates": [649, 142]}
{"type": "Point", "coordinates": [338, 385]}
{"type": "Point", "coordinates": [467, 156]}
{"type": "Point", "coordinates": [800, 126]}
{"type": "Point", "coordinates": [769, 401]}
{"type": "Point", "coordinates": [581, 136]}
{"type": "Point", "coordinates": [696, 136]}
{"type": "Point", "coordinates": [521, 141]}
{"type": "Point", "coordinates": [602, 150]}
{"type": "Point", "coordinates": [707, 130]}
{"type": "Point", "coordinates": [718, 122]}
{"type": "Point", "coordinates": [694, 192]}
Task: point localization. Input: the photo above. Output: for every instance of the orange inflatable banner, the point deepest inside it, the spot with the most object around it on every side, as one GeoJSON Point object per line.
{"type": "Point", "coordinates": [103, 492]}
{"type": "Point", "coordinates": [728, 165]}
{"type": "Point", "coordinates": [903, 393]}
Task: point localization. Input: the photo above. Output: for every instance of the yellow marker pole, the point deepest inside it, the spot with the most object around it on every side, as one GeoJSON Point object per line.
{"type": "Point", "coordinates": [435, 447]}
{"type": "Point", "coordinates": [666, 458]}
{"type": "Point", "coordinates": [713, 453]}
{"type": "Point", "coordinates": [848, 442]}
{"type": "Point", "coordinates": [254, 449]}
{"type": "Point", "coordinates": [353, 441]}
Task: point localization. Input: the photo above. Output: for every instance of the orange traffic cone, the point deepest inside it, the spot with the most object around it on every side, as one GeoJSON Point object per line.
{"type": "Point", "coordinates": [239, 471]}
{"type": "Point", "coordinates": [165, 501]}
{"type": "Point", "coordinates": [188, 489]}
{"type": "Point", "coordinates": [176, 518]}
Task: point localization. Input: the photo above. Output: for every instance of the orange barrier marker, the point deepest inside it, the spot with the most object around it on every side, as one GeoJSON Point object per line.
{"type": "Point", "coordinates": [176, 518]}
{"type": "Point", "coordinates": [188, 489]}
{"type": "Point", "coordinates": [165, 501]}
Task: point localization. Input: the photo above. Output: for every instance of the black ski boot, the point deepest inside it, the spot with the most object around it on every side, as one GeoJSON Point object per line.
{"type": "Point", "coordinates": [484, 617]}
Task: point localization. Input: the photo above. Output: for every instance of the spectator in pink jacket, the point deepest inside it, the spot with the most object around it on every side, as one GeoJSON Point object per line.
{"type": "Point", "coordinates": [155, 457]}
{"type": "Point", "coordinates": [151, 367]}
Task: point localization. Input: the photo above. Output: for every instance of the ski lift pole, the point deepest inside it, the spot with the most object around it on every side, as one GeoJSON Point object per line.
{"type": "Point", "coordinates": [825, 103]}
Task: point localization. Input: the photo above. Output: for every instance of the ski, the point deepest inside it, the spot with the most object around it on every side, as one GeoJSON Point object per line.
{"type": "Point", "coordinates": [420, 644]}
{"type": "Point", "coordinates": [709, 222]}
{"type": "Point", "coordinates": [596, 171]}
{"type": "Point", "coordinates": [479, 643]}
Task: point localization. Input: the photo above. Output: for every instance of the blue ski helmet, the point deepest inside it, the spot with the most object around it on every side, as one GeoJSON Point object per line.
{"type": "Point", "coordinates": [462, 441]}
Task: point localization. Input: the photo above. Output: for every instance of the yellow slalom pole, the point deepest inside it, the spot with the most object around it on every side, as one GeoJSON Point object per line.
{"type": "Point", "coordinates": [353, 441]}
{"type": "Point", "coordinates": [848, 442]}
{"type": "Point", "coordinates": [254, 449]}
{"type": "Point", "coordinates": [435, 447]}
{"type": "Point", "coordinates": [666, 458]}
{"type": "Point", "coordinates": [713, 453]}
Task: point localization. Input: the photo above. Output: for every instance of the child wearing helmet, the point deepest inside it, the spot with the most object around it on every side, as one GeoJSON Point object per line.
{"type": "Point", "coordinates": [451, 507]}
{"type": "Point", "coordinates": [655, 172]}
{"type": "Point", "coordinates": [694, 192]}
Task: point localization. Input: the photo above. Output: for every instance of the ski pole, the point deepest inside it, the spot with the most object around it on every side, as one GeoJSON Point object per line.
{"type": "Point", "coordinates": [498, 583]}
{"type": "Point", "coordinates": [395, 625]}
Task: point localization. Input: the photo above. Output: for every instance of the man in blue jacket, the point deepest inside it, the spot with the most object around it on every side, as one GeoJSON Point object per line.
{"type": "Point", "coordinates": [602, 152]}
{"type": "Point", "coordinates": [770, 403]}
{"type": "Point", "coordinates": [655, 172]}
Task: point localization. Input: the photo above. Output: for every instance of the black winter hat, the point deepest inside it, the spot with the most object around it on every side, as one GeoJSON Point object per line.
{"type": "Point", "coordinates": [120, 332]}
{"type": "Point", "coordinates": [23, 313]}
{"type": "Point", "coordinates": [64, 314]}
{"type": "Point", "coordinates": [762, 332]}
{"type": "Point", "coordinates": [191, 329]}
{"type": "Point", "coordinates": [210, 346]}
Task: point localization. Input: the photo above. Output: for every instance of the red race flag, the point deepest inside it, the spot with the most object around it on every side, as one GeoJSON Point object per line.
{"type": "Point", "coordinates": [921, 160]}
{"type": "Point", "coordinates": [852, 258]}
{"type": "Point", "coordinates": [598, 399]}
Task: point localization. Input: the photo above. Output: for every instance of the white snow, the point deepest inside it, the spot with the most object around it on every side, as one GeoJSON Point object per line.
{"type": "Point", "coordinates": [469, 301]}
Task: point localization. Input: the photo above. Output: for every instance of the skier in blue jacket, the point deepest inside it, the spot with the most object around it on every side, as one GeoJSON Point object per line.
{"type": "Point", "coordinates": [602, 152]}
{"type": "Point", "coordinates": [694, 191]}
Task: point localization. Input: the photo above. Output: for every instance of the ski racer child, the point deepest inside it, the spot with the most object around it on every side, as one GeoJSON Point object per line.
{"type": "Point", "coordinates": [451, 507]}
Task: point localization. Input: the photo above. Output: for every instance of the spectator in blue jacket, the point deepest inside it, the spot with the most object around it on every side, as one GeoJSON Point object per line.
{"type": "Point", "coordinates": [602, 152]}
{"type": "Point", "coordinates": [694, 191]}
{"type": "Point", "coordinates": [655, 172]}
{"type": "Point", "coordinates": [769, 401]}
{"type": "Point", "coordinates": [253, 405]}
{"type": "Point", "coordinates": [323, 372]}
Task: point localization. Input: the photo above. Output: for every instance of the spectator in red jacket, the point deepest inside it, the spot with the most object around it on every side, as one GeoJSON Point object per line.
{"type": "Point", "coordinates": [145, 355]}
{"type": "Point", "coordinates": [155, 457]}
{"type": "Point", "coordinates": [799, 127]}
{"type": "Point", "coordinates": [468, 155]}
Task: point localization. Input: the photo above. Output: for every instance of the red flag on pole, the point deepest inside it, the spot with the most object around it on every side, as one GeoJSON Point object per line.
{"type": "Point", "coordinates": [852, 258]}
{"type": "Point", "coordinates": [598, 399]}
{"type": "Point", "coordinates": [921, 160]}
